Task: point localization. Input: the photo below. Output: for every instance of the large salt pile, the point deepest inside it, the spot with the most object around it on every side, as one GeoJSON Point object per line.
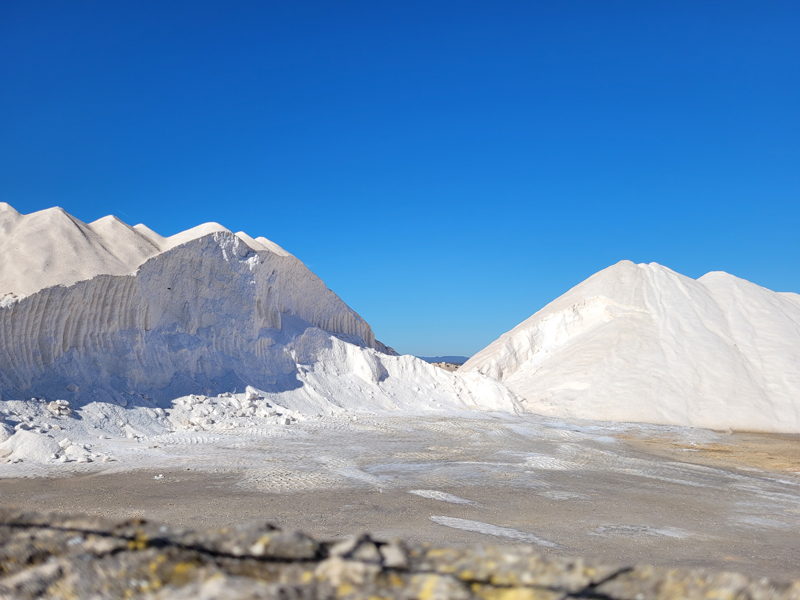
{"type": "Point", "coordinates": [104, 312]}
{"type": "Point", "coordinates": [641, 343]}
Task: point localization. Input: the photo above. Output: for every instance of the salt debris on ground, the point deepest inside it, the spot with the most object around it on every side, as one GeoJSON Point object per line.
{"type": "Point", "coordinates": [60, 408]}
{"type": "Point", "coordinates": [642, 343]}
{"type": "Point", "coordinates": [29, 445]}
{"type": "Point", "coordinates": [488, 529]}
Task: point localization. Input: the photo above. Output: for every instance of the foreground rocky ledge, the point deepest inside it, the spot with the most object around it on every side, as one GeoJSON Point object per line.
{"type": "Point", "coordinates": [74, 556]}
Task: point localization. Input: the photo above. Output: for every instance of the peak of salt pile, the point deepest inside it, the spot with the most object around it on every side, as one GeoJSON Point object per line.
{"type": "Point", "coordinates": [642, 343]}
{"type": "Point", "coordinates": [51, 247]}
{"type": "Point", "coordinates": [104, 312]}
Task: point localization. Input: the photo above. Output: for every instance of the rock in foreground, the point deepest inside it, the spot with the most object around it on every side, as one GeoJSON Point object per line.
{"type": "Point", "coordinates": [62, 556]}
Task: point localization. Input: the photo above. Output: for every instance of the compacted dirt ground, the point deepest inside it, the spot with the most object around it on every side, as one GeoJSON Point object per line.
{"type": "Point", "coordinates": [621, 493]}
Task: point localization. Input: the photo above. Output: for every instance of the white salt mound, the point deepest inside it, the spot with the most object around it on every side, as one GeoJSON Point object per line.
{"type": "Point", "coordinates": [118, 315]}
{"type": "Point", "coordinates": [641, 343]}
{"type": "Point", "coordinates": [29, 446]}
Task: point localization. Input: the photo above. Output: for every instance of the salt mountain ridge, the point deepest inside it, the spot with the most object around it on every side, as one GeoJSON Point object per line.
{"type": "Point", "coordinates": [104, 312]}
{"type": "Point", "coordinates": [112, 313]}
{"type": "Point", "coordinates": [642, 343]}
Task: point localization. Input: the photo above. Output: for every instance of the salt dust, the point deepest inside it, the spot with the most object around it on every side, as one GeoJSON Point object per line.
{"type": "Point", "coordinates": [561, 495]}
{"type": "Point", "coordinates": [488, 529]}
{"type": "Point", "coordinates": [442, 496]}
{"type": "Point", "coordinates": [639, 530]}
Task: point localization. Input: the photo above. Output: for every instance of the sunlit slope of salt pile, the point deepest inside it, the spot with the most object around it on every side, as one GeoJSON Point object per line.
{"type": "Point", "coordinates": [51, 247]}
{"type": "Point", "coordinates": [645, 344]}
{"type": "Point", "coordinates": [204, 312]}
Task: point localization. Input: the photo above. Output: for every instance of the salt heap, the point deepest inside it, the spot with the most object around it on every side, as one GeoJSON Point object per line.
{"type": "Point", "coordinates": [104, 312]}
{"type": "Point", "coordinates": [642, 343]}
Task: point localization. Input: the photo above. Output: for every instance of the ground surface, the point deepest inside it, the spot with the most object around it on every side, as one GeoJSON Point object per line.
{"type": "Point", "coordinates": [63, 557]}
{"type": "Point", "coordinates": [628, 494]}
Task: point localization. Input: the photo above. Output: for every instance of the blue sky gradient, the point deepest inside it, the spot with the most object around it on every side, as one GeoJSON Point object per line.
{"type": "Point", "coordinates": [447, 168]}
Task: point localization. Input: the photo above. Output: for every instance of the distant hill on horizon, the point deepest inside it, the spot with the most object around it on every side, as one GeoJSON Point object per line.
{"type": "Point", "coordinates": [457, 360]}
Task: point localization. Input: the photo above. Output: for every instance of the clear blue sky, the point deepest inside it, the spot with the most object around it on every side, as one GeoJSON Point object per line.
{"type": "Point", "coordinates": [447, 168]}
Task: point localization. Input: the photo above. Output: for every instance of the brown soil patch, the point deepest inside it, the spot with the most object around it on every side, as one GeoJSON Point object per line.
{"type": "Point", "coordinates": [778, 453]}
